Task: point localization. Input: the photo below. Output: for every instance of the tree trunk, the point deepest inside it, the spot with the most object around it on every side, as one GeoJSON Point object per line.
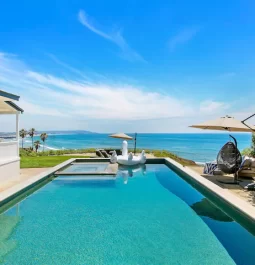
{"type": "Point", "coordinates": [22, 143]}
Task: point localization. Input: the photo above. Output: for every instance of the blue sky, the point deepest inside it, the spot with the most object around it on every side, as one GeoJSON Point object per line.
{"type": "Point", "coordinates": [141, 66]}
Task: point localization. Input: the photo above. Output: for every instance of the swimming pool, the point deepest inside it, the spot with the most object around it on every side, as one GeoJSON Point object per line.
{"type": "Point", "coordinates": [149, 215]}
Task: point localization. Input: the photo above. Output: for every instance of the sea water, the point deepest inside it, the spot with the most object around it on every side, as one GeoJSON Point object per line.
{"type": "Point", "coordinates": [200, 147]}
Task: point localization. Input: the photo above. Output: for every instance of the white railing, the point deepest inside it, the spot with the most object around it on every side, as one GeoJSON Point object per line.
{"type": "Point", "coordinates": [8, 150]}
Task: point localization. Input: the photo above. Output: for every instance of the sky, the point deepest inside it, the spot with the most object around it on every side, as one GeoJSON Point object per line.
{"type": "Point", "coordinates": [144, 66]}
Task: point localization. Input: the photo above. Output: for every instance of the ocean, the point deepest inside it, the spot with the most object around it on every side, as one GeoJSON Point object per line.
{"type": "Point", "coordinates": [199, 147]}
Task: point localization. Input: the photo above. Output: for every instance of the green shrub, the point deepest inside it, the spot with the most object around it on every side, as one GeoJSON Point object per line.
{"type": "Point", "coordinates": [32, 154]}
{"type": "Point", "coordinates": [29, 152]}
{"type": "Point", "coordinates": [51, 152]}
{"type": "Point", "coordinates": [25, 152]}
{"type": "Point", "coordinates": [253, 141]}
{"type": "Point", "coordinates": [252, 153]}
{"type": "Point", "coordinates": [165, 153]}
{"type": "Point", "coordinates": [247, 152]}
{"type": "Point", "coordinates": [22, 152]}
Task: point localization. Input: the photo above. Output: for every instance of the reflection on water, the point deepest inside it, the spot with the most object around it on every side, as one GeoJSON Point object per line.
{"type": "Point", "coordinates": [129, 171]}
{"type": "Point", "coordinates": [236, 239]}
{"type": "Point", "coordinates": [8, 224]}
{"type": "Point", "coordinates": [202, 206]}
{"type": "Point", "coordinates": [208, 209]}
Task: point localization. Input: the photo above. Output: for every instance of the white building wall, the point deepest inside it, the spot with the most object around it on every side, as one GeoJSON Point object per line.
{"type": "Point", "coordinates": [10, 171]}
{"type": "Point", "coordinates": [8, 150]}
{"type": "Point", "coordinates": [9, 161]}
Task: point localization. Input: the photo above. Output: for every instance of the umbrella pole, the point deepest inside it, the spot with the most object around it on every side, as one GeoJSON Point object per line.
{"type": "Point", "coordinates": [135, 144]}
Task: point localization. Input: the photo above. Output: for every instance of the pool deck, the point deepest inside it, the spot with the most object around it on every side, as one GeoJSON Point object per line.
{"type": "Point", "coordinates": [25, 174]}
{"type": "Point", "coordinates": [31, 177]}
{"type": "Point", "coordinates": [248, 196]}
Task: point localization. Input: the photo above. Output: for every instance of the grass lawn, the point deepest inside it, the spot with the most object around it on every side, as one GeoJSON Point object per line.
{"type": "Point", "coordinates": [43, 161]}
{"type": "Point", "coordinates": [46, 160]}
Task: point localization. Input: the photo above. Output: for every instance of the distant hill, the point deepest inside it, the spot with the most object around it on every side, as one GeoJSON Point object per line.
{"type": "Point", "coordinates": [67, 132]}
{"type": "Point", "coordinates": [7, 135]}
{"type": "Point", "coordinates": [13, 134]}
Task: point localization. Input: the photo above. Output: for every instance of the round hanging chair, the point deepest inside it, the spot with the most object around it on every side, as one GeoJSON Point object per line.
{"type": "Point", "coordinates": [229, 158]}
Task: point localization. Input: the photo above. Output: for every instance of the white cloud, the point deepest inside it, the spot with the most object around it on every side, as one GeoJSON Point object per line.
{"type": "Point", "coordinates": [213, 107]}
{"type": "Point", "coordinates": [182, 37]}
{"type": "Point", "coordinates": [52, 102]}
{"type": "Point", "coordinates": [110, 102]}
{"type": "Point", "coordinates": [115, 36]}
{"type": "Point", "coordinates": [35, 109]}
{"type": "Point", "coordinates": [50, 95]}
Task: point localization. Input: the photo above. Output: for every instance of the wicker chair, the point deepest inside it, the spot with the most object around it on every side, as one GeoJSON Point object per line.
{"type": "Point", "coordinates": [229, 158]}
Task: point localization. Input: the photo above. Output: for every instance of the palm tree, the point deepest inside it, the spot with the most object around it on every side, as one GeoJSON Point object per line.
{"type": "Point", "coordinates": [43, 138]}
{"type": "Point", "coordinates": [22, 134]}
{"type": "Point", "coordinates": [37, 144]}
{"type": "Point", "coordinates": [32, 134]}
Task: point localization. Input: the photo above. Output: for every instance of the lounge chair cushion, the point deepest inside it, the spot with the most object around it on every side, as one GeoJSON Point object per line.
{"type": "Point", "coordinates": [246, 163]}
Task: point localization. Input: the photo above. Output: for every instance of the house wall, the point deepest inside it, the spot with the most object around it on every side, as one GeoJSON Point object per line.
{"type": "Point", "coordinates": [8, 150]}
{"type": "Point", "coordinates": [9, 161]}
{"type": "Point", "coordinates": [10, 171]}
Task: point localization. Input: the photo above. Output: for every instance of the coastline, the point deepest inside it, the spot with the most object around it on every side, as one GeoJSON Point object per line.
{"type": "Point", "coordinates": [197, 147]}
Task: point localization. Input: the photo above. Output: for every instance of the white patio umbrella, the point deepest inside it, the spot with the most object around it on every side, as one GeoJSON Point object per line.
{"type": "Point", "coordinates": [121, 136]}
{"type": "Point", "coordinates": [226, 123]}
{"type": "Point", "coordinates": [125, 137]}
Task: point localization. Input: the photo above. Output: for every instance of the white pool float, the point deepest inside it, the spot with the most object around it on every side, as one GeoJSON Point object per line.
{"type": "Point", "coordinates": [128, 159]}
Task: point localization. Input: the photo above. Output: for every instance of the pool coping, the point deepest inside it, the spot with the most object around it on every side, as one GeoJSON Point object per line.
{"type": "Point", "coordinates": [224, 195]}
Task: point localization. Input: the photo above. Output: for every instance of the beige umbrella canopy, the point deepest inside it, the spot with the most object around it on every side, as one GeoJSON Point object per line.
{"type": "Point", "coordinates": [226, 123]}
{"type": "Point", "coordinates": [121, 136]}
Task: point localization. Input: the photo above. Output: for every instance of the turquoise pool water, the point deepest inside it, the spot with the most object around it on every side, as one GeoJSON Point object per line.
{"type": "Point", "coordinates": [145, 216]}
{"type": "Point", "coordinates": [86, 167]}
